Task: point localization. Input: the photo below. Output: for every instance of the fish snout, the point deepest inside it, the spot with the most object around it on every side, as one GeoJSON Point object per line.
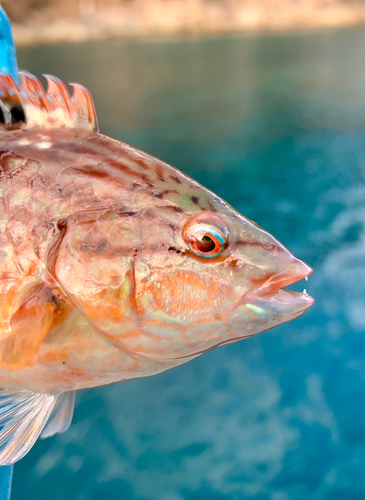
{"type": "Point", "coordinates": [296, 271]}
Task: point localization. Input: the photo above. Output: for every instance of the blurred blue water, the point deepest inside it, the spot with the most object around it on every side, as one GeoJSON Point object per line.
{"type": "Point", "coordinates": [276, 126]}
{"type": "Point", "coordinates": [6, 474]}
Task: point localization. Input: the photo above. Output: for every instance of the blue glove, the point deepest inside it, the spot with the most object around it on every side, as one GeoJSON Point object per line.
{"type": "Point", "coordinates": [8, 62]}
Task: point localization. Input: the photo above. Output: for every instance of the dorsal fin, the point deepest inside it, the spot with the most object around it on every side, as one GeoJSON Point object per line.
{"type": "Point", "coordinates": [31, 106]}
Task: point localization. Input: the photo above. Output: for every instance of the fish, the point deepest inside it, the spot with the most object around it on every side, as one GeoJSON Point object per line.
{"type": "Point", "coordinates": [113, 264]}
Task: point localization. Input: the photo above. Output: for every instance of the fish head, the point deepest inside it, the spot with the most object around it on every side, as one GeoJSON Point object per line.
{"type": "Point", "coordinates": [172, 270]}
{"type": "Point", "coordinates": [178, 271]}
{"type": "Point", "coordinates": [218, 279]}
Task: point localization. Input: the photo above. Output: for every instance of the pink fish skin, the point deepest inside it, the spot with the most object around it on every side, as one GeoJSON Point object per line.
{"type": "Point", "coordinates": [115, 265]}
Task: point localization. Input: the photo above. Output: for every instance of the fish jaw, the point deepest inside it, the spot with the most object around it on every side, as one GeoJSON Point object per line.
{"type": "Point", "coordinates": [272, 304]}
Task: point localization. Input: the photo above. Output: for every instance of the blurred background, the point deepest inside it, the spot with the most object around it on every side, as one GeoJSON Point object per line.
{"type": "Point", "coordinates": [275, 124]}
{"type": "Point", "coordinates": [40, 21]}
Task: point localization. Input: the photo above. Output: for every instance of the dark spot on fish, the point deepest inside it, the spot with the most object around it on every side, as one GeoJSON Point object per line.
{"type": "Point", "coordinates": [174, 208]}
{"type": "Point", "coordinates": [63, 362]}
{"type": "Point", "coordinates": [157, 195]}
{"type": "Point", "coordinates": [17, 114]}
{"type": "Point", "coordinates": [14, 173]}
{"type": "Point", "coordinates": [11, 116]}
{"type": "Point", "coordinates": [57, 189]}
{"type": "Point", "coordinates": [172, 226]}
{"type": "Point", "coordinates": [176, 179]}
{"type": "Point", "coordinates": [2, 116]}
{"type": "Point", "coordinates": [127, 212]}
{"type": "Point", "coordinates": [55, 299]}
{"type": "Point", "coordinates": [135, 185]}
{"type": "Point", "coordinates": [195, 200]}
{"type": "Point", "coordinates": [174, 249]}
{"type": "Point", "coordinates": [94, 173]}
{"type": "Point", "coordinates": [159, 175]}
{"type": "Point", "coordinates": [147, 180]}
{"type": "Point", "coordinates": [73, 147]}
{"type": "Point", "coordinates": [140, 163]}
{"type": "Point", "coordinates": [123, 168]}
{"type": "Point", "coordinates": [213, 209]}
{"type": "Point", "coordinates": [54, 249]}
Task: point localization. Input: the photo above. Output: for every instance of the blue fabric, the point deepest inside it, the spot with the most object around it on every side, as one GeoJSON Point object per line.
{"type": "Point", "coordinates": [8, 63]}
{"type": "Point", "coordinates": [6, 475]}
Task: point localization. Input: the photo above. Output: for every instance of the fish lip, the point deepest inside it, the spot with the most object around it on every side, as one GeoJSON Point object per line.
{"type": "Point", "coordinates": [297, 271]}
{"type": "Point", "coordinates": [297, 302]}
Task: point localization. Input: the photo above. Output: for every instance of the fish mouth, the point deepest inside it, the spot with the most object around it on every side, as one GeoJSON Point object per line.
{"type": "Point", "coordinates": [272, 289]}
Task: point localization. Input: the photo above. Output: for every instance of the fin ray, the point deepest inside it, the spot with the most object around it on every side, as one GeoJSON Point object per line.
{"type": "Point", "coordinates": [52, 109]}
{"type": "Point", "coordinates": [30, 326]}
{"type": "Point", "coordinates": [23, 415]}
{"type": "Point", "coordinates": [61, 416]}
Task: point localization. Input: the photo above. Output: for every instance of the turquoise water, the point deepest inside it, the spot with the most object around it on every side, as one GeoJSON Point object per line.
{"type": "Point", "coordinates": [276, 126]}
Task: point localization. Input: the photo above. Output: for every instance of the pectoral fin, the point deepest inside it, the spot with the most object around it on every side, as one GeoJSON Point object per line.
{"type": "Point", "coordinates": [29, 326]}
{"type": "Point", "coordinates": [61, 416]}
{"type": "Point", "coordinates": [23, 415]}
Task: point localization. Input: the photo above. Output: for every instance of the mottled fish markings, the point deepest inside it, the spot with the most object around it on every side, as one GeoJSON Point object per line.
{"type": "Point", "coordinates": [114, 265]}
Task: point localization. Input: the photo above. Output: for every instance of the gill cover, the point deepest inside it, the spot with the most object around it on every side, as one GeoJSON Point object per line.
{"type": "Point", "coordinates": [95, 267]}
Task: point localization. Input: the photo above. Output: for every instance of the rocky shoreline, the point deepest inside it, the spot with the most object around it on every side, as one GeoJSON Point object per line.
{"type": "Point", "coordinates": [61, 22]}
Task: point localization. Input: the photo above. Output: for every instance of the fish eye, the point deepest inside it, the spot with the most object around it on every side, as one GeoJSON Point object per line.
{"type": "Point", "coordinates": [206, 237]}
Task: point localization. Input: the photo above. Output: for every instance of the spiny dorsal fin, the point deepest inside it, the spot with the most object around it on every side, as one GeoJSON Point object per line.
{"type": "Point", "coordinates": [31, 106]}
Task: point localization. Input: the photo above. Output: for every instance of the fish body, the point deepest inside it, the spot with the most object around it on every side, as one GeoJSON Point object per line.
{"type": "Point", "coordinates": [113, 264]}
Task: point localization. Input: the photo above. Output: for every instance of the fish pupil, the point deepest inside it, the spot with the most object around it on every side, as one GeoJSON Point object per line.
{"type": "Point", "coordinates": [205, 244]}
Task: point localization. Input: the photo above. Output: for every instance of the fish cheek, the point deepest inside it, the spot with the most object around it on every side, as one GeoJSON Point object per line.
{"type": "Point", "coordinates": [181, 313]}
